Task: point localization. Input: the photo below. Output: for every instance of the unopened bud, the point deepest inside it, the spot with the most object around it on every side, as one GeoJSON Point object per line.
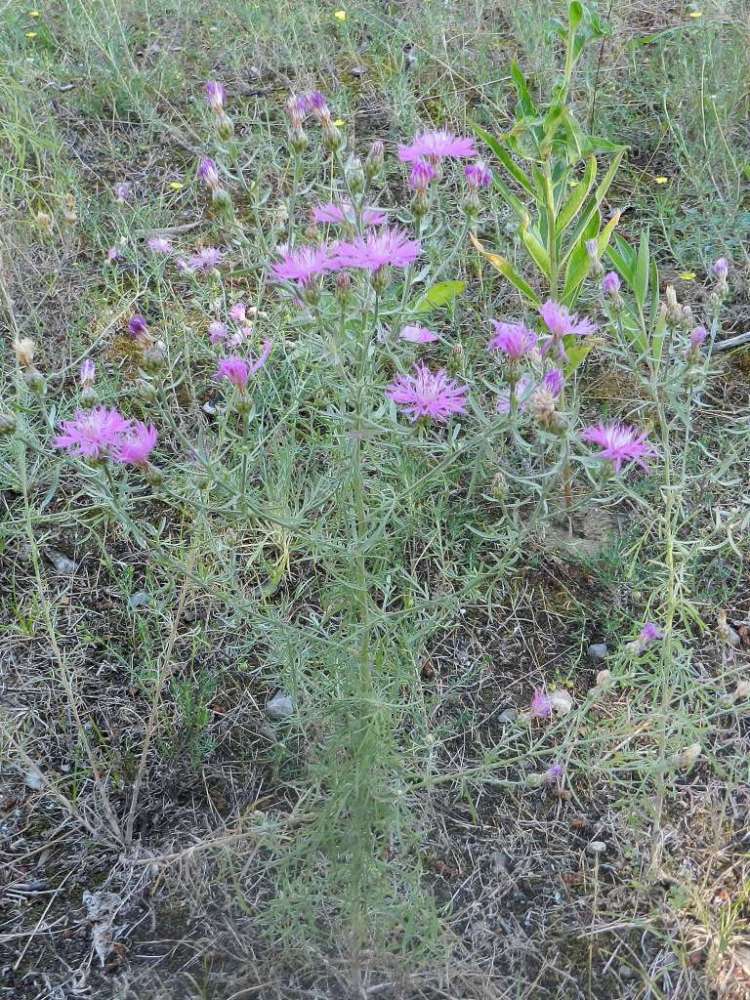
{"type": "Point", "coordinates": [35, 381]}
{"type": "Point", "coordinates": [499, 486]}
{"type": "Point", "coordinates": [333, 140]}
{"type": "Point", "coordinates": [592, 252]}
{"type": "Point", "coordinates": [381, 278]}
{"type": "Point", "coordinates": [146, 390]}
{"type": "Point", "coordinates": [153, 357]}
{"type": "Point", "coordinates": [44, 221]}
{"type": "Point", "coordinates": [89, 396]}
{"type": "Point", "coordinates": [224, 127]}
{"type": "Point", "coordinates": [298, 139]}
{"type": "Point", "coordinates": [374, 161]}
{"type": "Point", "coordinates": [343, 286]}
{"type": "Point", "coordinates": [222, 201]}
{"type": "Point", "coordinates": [7, 423]}
{"type": "Point", "coordinates": [355, 175]}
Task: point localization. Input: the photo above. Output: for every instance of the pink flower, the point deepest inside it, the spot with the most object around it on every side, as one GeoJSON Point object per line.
{"type": "Point", "coordinates": [377, 250]}
{"type": "Point", "coordinates": [649, 633]}
{"type": "Point", "coordinates": [560, 323]}
{"type": "Point", "coordinates": [421, 175]}
{"type": "Point", "coordinates": [541, 705]}
{"type": "Point", "coordinates": [92, 433]}
{"type": "Point", "coordinates": [721, 268]}
{"type": "Point", "coordinates": [619, 444]}
{"type": "Point", "coordinates": [521, 391]}
{"type": "Point", "coordinates": [698, 337]}
{"type": "Point", "coordinates": [137, 326]}
{"type": "Point", "coordinates": [427, 394]}
{"type": "Point", "coordinates": [316, 103]}
{"type": "Point", "coordinates": [238, 312]}
{"type": "Point", "coordinates": [238, 371]}
{"type": "Point", "coordinates": [217, 332]}
{"type": "Point", "coordinates": [135, 445]}
{"type": "Point", "coordinates": [123, 191]}
{"type": "Point", "coordinates": [157, 244]}
{"type": "Point", "coordinates": [418, 335]}
{"type": "Point", "coordinates": [345, 212]}
{"type": "Point", "coordinates": [514, 339]}
{"type": "Point", "coordinates": [554, 382]}
{"type": "Point", "coordinates": [297, 107]}
{"type": "Point", "coordinates": [478, 175]}
{"type": "Point", "coordinates": [208, 173]}
{"type": "Point", "coordinates": [610, 284]}
{"type": "Point", "coordinates": [554, 774]}
{"type": "Point", "coordinates": [215, 95]}
{"type": "Point", "coordinates": [303, 266]}
{"type": "Point", "coordinates": [88, 373]}
{"type": "Point", "coordinates": [434, 146]}
{"type": "Point", "coordinates": [114, 254]}
{"type": "Point", "coordinates": [205, 260]}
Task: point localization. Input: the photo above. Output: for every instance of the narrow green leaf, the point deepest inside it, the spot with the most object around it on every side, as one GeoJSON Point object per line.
{"type": "Point", "coordinates": [609, 176]}
{"type": "Point", "coordinates": [524, 97]}
{"type": "Point", "coordinates": [579, 261]}
{"type": "Point", "coordinates": [505, 158]}
{"type": "Point", "coordinates": [536, 250]}
{"type": "Point", "coordinates": [641, 274]}
{"type": "Point", "coordinates": [580, 192]}
{"type": "Point", "coordinates": [505, 268]}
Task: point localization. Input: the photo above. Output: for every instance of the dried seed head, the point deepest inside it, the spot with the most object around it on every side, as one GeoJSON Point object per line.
{"type": "Point", "coordinates": [44, 221]}
{"type": "Point", "coordinates": [542, 406]}
{"type": "Point", "coordinates": [686, 758]}
{"type": "Point", "coordinates": [724, 631]}
{"type": "Point", "coordinates": [561, 702]}
{"type": "Point", "coordinates": [24, 348]}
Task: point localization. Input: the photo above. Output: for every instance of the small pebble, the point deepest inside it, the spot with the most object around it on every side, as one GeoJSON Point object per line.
{"type": "Point", "coordinates": [280, 707]}
{"type": "Point", "coordinates": [597, 847]}
{"type": "Point", "coordinates": [61, 563]}
{"type": "Point", "coordinates": [598, 651]}
{"type": "Point", "coordinates": [33, 779]}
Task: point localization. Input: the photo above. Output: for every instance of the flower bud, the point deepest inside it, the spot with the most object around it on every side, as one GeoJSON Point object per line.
{"type": "Point", "coordinates": [374, 161]}
{"type": "Point", "coordinates": [343, 286]}
{"type": "Point", "coordinates": [333, 140]}
{"type": "Point", "coordinates": [153, 357]}
{"type": "Point", "coordinates": [24, 348]}
{"type": "Point", "coordinates": [7, 423]}
{"type": "Point", "coordinates": [146, 390]}
{"type": "Point", "coordinates": [35, 381]}
{"type": "Point", "coordinates": [44, 221]}
{"type": "Point", "coordinates": [355, 175]}
{"type": "Point", "coordinates": [542, 406]}
{"type": "Point", "coordinates": [225, 127]}
{"type": "Point", "coordinates": [89, 396]}
{"type": "Point", "coordinates": [222, 201]}
{"type": "Point", "coordinates": [298, 139]}
{"type": "Point", "coordinates": [592, 252]}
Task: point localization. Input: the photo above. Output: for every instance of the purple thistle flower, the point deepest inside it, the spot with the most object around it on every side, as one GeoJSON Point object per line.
{"type": "Point", "coordinates": [698, 337]}
{"type": "Point", "coordinates": [418, 335]}
{"type": "Point", "coordinates": [478, 175]}
{"type": "Point", "coordinates": [217, 331]}
{"type": "Point", "coordinates": [553, 774]}
{"type": "Point", "coordinates": [619, 444]}
{"type": "Point", "coordinates": [123, 191]}
{"type": "Point", "coordinates": [114, 254]}
{"type": "Point", "coordinates": [649, 633]}
{"type": "Point", "coordinates": [421, 175]}
{"type": "Point", "coordinates": [88, 373]}
{"type": "Point", "coordinates": [521, 391]}
{"type": "Point", "coordinates": [317, 104]}
{"type": "Point", "coordinates": [208, 173]}
{"type": "Point", "coordinates": [345, 212]}
{"type": "Point", "coordinates": [235, 370]}
{"type": "Point", "coordinates": [215, 95]}
{"type": "Point", "coordinates": [238, 312]}
{"type": "Point", "coordinates": [304, 265]}
{"type": "Point", "coordinates": [92, 433]}
{"type": "Point", "coordinates": [135, 445]}
{"type": "Point", "coordinates": [541, 705]}
{"type": "Point", "coordinates": [720, 268]}
{"type": "Point", "coordinates": [514, 339]}
{"type": "Point", "coordinates": [297, 107]}
{"type": "Point", "coordinates": [554, 382]}
{"type": "Point", "coordinates": [435, 146]}
{"type": "Point", "coordinates": [157, 244]}
{"type": "Point", "coordinates": [137, 326]}
{"type": "Point", "coordinates": [560, 323]}
{"type": "Point", "coordinates": [611, 284]}
{"type": "Point", "coordinates": [204, 260]}
{"type": "Point", "coordinates": [376, 250]}
{"type": "Point", "coordinates": [427, 394]}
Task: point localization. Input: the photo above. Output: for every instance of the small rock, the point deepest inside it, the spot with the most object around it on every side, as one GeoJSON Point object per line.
{"type": "Point", "coordinates": [598, 651]}
{"type": "Point", "coordinates": [597, 847]}
{"type": "Point", "coordinates": [33, 779]}
{"type": "Point", "coordinates": [280, 707]}
{"type": "Point", "coordinates": [140, 599]}
{"type": "Point", "coordinates": [603, 678]}
{"type": "Point", "coordinates": [61, 562]}
{"type": "Point", "coordinates": [561, 702]}
{"type": "Point", "coordinates": [508, 715]}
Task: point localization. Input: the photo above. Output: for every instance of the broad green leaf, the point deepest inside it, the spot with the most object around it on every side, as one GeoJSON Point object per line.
{"type": "Point", "coordinates": [505, 268]}
{"type": "Point", "coordinates": [524, 97]}
{"type": "Point", "coordinates": [536, 250]}
{"type": "Point", "coordinates": [580, 192]}
{"type": "Point", "coordinates": [575, 14]}
{"type": "Point", "coordinates": [440, 295]}
{"type": "Point", "coordinates": [505, 158]}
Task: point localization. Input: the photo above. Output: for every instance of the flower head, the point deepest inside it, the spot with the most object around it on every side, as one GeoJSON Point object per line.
{"type": "Point", "coordinates": [317, 104]}
{"type": "Point", "coordinates": [698, 337]}
{"type": "Point", "coordinates": [554, 382]}
{"type": "Point", "coordinates": [376, 250]}
{"type": "Point", "coordinates": [135, 445]}
{"type": "Point", "coordinates": [234, 370]}
{"type": "Point", "coordinates": [88, 373]}
{"type": "Point", "coordinates": [478, 175]}
{"type": "Point", "coordinates": [435, 146]}
{"type": "Point", "coordinates": [304, 265]}
{"type": "Point", "coordinates": [208, 173]}
{"type": "Point", "coordinates": [345, 212]}
{"type": "Point", "coordinates": [649, 633]}
{"type": "Point", "coordinates": [427, 394]}
{"type": "Point", "coordinates": [560, 323]}
{"type": "Point", "coordinates": [541, 705]}
{"type": "Point", "coordinates": [238, 312]}
{"type": "Point", "coordinates": [157, 244]}
{"type": "Point", "coordinates": [554, 774]}
{"type": "Point", "coordinates": [137, 326]}
{"type": "Point", "coordinates": [514, 339]}
{"type": "Point", "coordinates": [418, 335]}
{"type": "Point", "coordinates": [619, 443]}
{"type": "Point", "coordinates": [114, 254]}
{"type": "Point", "coordinates": [611, 284]}
{"type": "Point", "coordinates": [421, 175]}
{"type": "Point", "coordinates": [205, 260]}
{"type": "Point", "coordinates": [217, 332]}
{"type": "Point", "coordinates": [123, 191]}
{"type": "Point", "coordinates": [215, 95]}
{"type": "Point", "coordinates": [720, 268]}
{"type": "Point", "coordinates": [92, 433]}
